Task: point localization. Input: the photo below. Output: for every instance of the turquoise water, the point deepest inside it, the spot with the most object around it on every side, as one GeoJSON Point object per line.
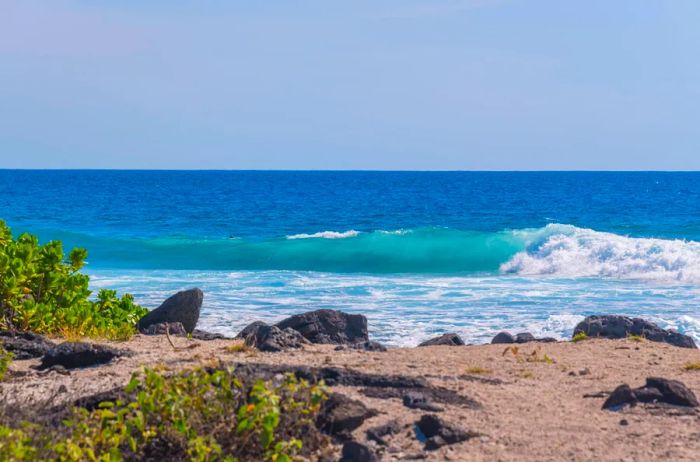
{"type": "Point", "coordinates": [417, 253]}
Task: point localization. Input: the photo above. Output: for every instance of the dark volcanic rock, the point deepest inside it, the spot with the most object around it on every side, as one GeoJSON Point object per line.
{"type": "Point", "coordinates": [207, 336]}
{"type": "Point", "coordinates": [183, 307]}
{"type": "Point", "coordinates": [449, 339]}
{"type": "Point", "coordinates": [274, 339]}
{"type": "Point", "coordinates": [417, 400]}
{"type": "Point", "coordinates": [72, 355]}
{"type": "Point", "coordinates": [379, 433]}
{"type": "Point", "coordinates": [524, 337]}
{"type": "Point", "coordinates": [503, 337]}
{"type": "Point", "coordinates": [172, 328]}
{"type": "Point", "coordinates": [673, 391]}
{"type": "Point", "coordinates": [328, 326]}
{"type": "Point", "coordinates": [612, 326]}
{"type": "Point", "coordinates": [341, 415]}
{"type": "Point", "coordinates": [25, 345]}
{"type": "Point", "coordinates": [357, 452]}
{"type": "Point", "coordinates": [439, 433]}
{"type": "Point", "coordinates": [369, 345]}
{"type": "Point", "coordinates": [250, 329]}
{"type": "Point", "coordinates": [622, 395]}
{"type": "Point", "coordinates": [657, 389]}
{"type": "Point", "coordinates": [431, 394]}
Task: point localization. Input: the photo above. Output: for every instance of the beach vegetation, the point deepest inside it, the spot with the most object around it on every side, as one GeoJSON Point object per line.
{"type": "Point", "coordinates": [579, 337]}
{"type": "Point", "coordinates": [198, 415]}
{"type": "Point", "coordinates": [691, 366]}
{"type": "Point", "coordinates": [636, 338]}
{"type": "Point", "coordinates": [42, 290]}
{"type": "Point", "coordinates": [478, 370]}
{"type": "Point", "coordinates": [5, 360]}
{"type": "Point", "coordinates": [238, 346]}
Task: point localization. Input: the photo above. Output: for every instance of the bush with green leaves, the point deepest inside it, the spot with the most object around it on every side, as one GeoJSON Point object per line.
{"type": "Point", "coordinates": [200, 415]}
{"type": "Point", "coordinates": [42, 291]}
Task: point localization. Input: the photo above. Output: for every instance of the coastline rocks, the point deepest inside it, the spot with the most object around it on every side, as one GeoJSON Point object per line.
{"type": "Point", "coordinates": [417, 400]}
{"type": "Point", "coordinates": [171, 328]}
{"type": "Point", "coordinates": [340, 415]}
{"type": "Point", "coordinates": [207, 336]}
{"type": "Point", "coordinates": [614, 327]}
{"type": "Point", "coordinates": [369, 345]}
{"type": "Point", "coordinates": [523, 337]}
{"type": "Point", "coordinates": [503, 337]}
{"type": "Point", "coordinates": [271, 338]}
{"type": "Point", "coordinates": [357, 452]}
{"type": "Point", "coordinates": [25, 345]}
{"type": "Point", "coordinates": [380, 433]}
{"type": "Point", "coordinates": [449, 339]}
{"type": "Point", "coordinates": [657, 389]}
{"type": "Point", "coordinates": [328, 326]}
{"type": "Point", "coordinates": [439, 433]}
{"type": "Point", "coordinates": [183, 307]}
{"type": "Point", "coordinates": [72, 355]}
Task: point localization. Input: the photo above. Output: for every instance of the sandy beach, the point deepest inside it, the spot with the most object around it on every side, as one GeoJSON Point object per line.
{"type": "Point", "coordinates": [537, 401]}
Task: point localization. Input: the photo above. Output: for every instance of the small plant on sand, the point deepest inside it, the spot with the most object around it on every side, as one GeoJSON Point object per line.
{"type": "Point", "coordinates": [691, 366]}
{"type": "Point", "coordinates": [200, 415]}
{"type": "Point", "coordinates": [43, 291]}
{"type": "Point", "coordinates": [579, 337]}
{"type": "Point", "coordinates": [636, 338]}
{"type": "Point", "coordinates": [5, 360]}
{"type": "Point", "coordinates": [526, 374]}
{"type": "Point", "coordinates": [478, 370]}
{"type": "Point", "coordinates": [238, 346]}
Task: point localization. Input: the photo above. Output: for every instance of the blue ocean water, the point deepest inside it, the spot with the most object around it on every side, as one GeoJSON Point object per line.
{"type": "Point", "coordinates": [418, 253]}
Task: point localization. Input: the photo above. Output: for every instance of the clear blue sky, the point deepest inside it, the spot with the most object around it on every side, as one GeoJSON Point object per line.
{"type": "Point", "coordinates": [357, 84]}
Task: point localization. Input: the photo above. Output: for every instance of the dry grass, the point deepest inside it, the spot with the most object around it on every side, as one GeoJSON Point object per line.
{"type": "Point", "coordinates": [238, 346]}
{"type": "Point", "coordinates": [691, 366]}
{"type": "Point", "coordinates": [477, 370]}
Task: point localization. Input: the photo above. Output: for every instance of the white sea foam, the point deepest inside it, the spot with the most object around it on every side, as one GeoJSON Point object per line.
{"type": "Point", "coordinates": [326, 235]}
{"type": "Point", "coordinates": [570, 252]}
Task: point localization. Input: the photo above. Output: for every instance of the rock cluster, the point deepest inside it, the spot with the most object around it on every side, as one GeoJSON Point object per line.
{"type": "Point", "coordinates": [614, 327]}
{"type": "Point", "coordinates": [656, 389]}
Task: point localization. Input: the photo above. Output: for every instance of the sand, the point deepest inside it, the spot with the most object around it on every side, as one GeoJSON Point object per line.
{"type": "Point", "coordinates": [529, 410]}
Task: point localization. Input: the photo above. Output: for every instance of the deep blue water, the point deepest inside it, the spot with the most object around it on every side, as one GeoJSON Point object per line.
{"type": "Point", "coordinates": [417, 252]}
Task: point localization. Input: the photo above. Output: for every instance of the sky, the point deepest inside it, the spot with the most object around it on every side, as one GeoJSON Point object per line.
{"type": "Point", "coordinates": [358, 84]}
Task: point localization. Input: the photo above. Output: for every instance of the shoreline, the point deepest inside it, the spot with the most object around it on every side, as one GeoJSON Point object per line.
{"type": "Point", "coordinates": [524, 407]}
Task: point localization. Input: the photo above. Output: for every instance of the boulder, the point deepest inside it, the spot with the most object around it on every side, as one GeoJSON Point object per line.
{"type": "Point", "coordinates": [328, 326]}
{"type": "Point", "coordinates": [25, 345]}
{"type": "Point", "coordinates": [439, 433]}
{"type": "Point", "coordinates": [72, 355]}
{"type": "Point", "coordinates": [172, 328]}
{"type": "Point", "coordinates": [524, 337]}
{"type": "Point", "coordinates": [183, 307]}
{"type": "Point", "coordinates": [449, 339]}
{"type": "Point", "coordinates": [657, 389]}
{"type": "Point", "coordinates": [357, 452]}
{"type": "Point", "coordinates": [274, 339]}
{"type": "Point", "coordinates": [207, 336]}
{"type": "Point", "coordinates": [340, 415]}
{"type": "Point", "coordinates": [503, 337]}
{"type": "Point", "coordinates": [250, 329]}
{"type": "Point", "coordinates": [379, 433]}
{"type": "Point", "coordinates": [613, 327]}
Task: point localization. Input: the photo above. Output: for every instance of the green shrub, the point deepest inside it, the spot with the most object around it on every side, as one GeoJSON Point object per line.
{"type": "Point", "coordinates": [42, 291]}
{"type": "Point", "coordinates": [5, 360]}
{"type": "Point", "coordinates": [200, 415]}
{"type": "Point", "coordinates": [579, 337]}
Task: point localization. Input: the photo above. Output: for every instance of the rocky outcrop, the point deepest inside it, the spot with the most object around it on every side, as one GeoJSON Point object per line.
{"type": "Point", "coordinates": [274, 339]}
{"type": "Point", "coordinates": [449, 339]}
{"type": "Point", "coordinates": [340, 415]}
{"type": "Point", "coordinates": [25, 345]}
{"type": "Point", "coordinates": [523, 337]}
{"type": "Point", "coordinates": [171, 328]}
{"type": "Point", "coordinates": [357, 452]}
{"type": "Point", "coordinates": [183, 307]}
{"type": "Point", "coordinates": [369, 345]}
{"type": "Point", "coordinates": [72, 355]}
{"type": "Point", "coordinates": [328, 326]}
{"type": "Point", "coordinates": [657, 389]}
{"type": "Point", "coordinates": [613, 327]}
{"type": "Point", "coordinates": [440, 433]}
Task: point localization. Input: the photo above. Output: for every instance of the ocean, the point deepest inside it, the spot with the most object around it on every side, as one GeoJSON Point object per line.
{"type": "Point", "coordinates": [418, 253]}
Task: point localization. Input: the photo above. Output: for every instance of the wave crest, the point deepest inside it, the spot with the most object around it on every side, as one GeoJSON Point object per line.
{"type": "Point", "coordinates": [570, 252]}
